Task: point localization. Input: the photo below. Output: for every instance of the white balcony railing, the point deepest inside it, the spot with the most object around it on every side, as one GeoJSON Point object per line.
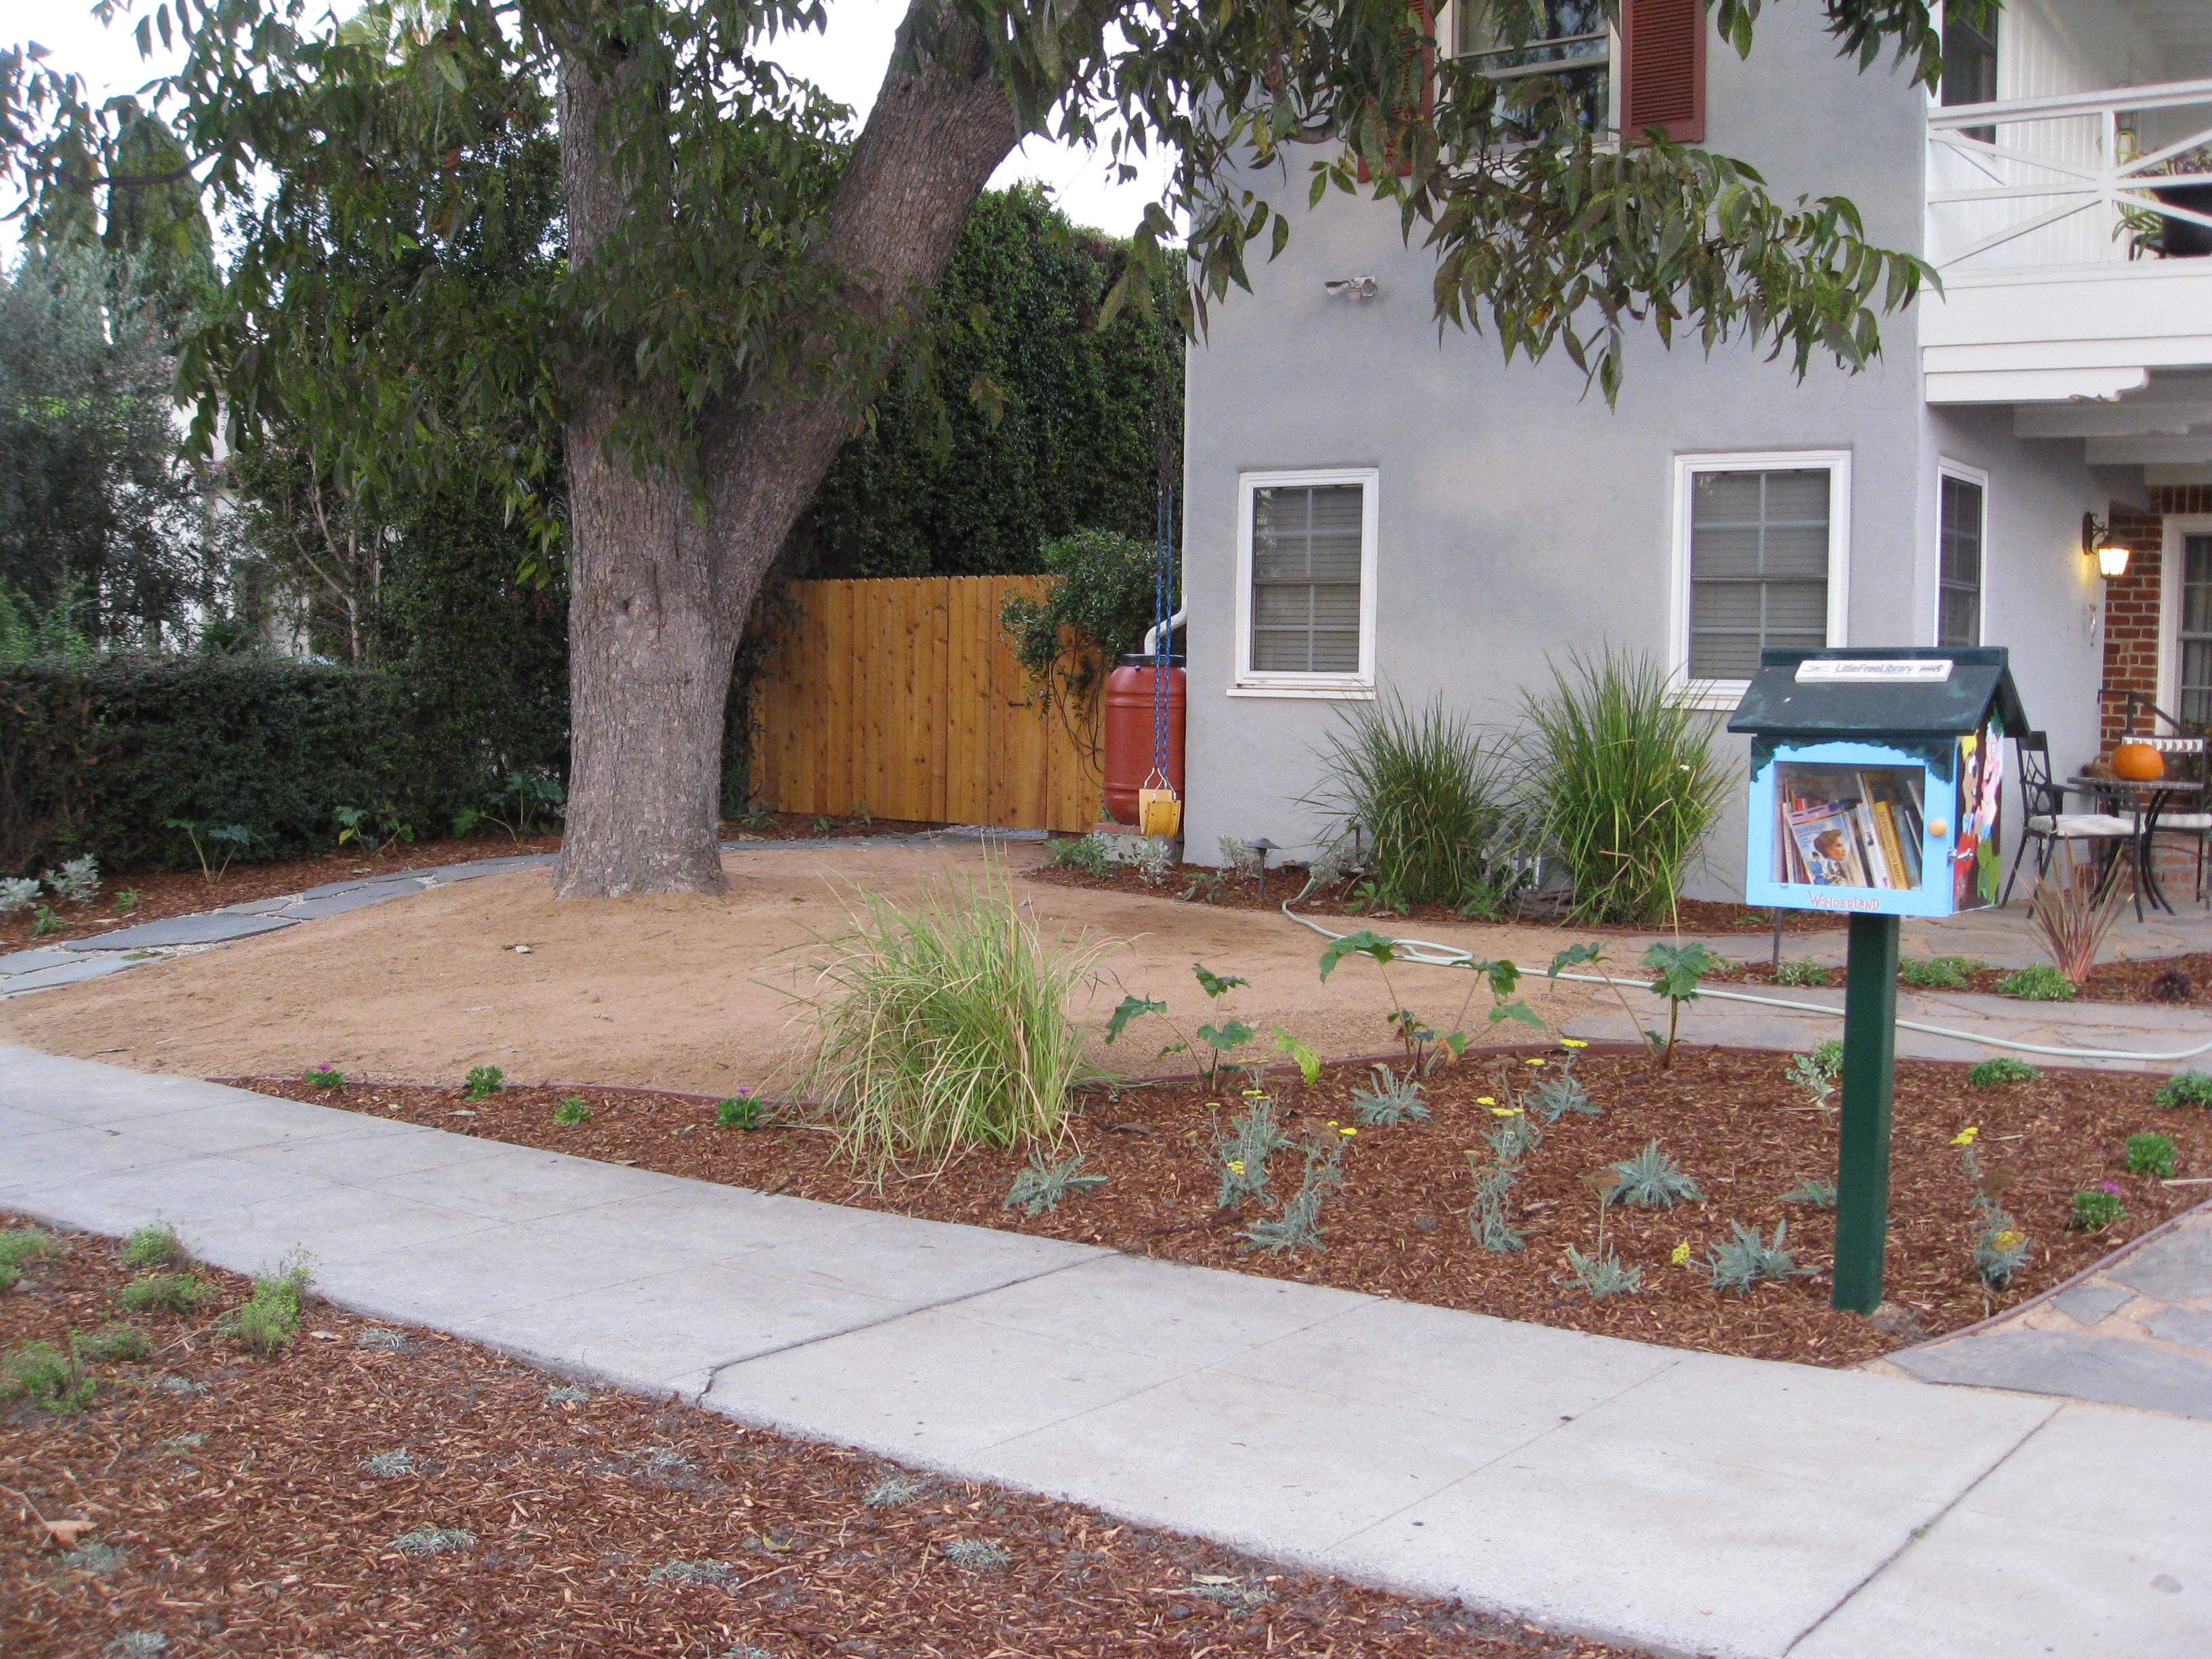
{"type": "Point", "coordinates": [2118, 177]}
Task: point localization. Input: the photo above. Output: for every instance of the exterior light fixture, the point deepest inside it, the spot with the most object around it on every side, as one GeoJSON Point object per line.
{"type": "Point", "coordinates": [1353, 288]}
{"type": "Point", "coordinates": [1263, 847]}
{"type": "Point", "coordinates": [2096, 543]}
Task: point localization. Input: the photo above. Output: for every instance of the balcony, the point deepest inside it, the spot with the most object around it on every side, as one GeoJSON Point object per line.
{"type": "Point", "coordinates": [2074, 236]}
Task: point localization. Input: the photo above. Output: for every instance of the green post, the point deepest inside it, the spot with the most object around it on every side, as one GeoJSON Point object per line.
{"type": "Point", "coordinates": [1869, 1067]}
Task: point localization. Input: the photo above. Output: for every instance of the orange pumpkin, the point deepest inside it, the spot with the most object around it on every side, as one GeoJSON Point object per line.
{"type": "Point", "coordinates": [2138, 763]}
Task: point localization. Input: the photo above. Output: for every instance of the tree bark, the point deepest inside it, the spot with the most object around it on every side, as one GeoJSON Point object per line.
{"type": "Point", "coordinates": [658, 594]}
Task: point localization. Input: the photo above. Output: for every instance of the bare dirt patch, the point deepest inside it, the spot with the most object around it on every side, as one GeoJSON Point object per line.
{"type": "Point", "coordinates": [1400, 1227]}
{"type": "Point", "coordinates": [231, 1505]}
{"type": "Point", "coordinates": [688, 993]}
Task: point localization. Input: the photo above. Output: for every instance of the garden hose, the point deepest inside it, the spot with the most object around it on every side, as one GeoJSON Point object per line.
{"type": "Point", "coordinates": [1428, 954]}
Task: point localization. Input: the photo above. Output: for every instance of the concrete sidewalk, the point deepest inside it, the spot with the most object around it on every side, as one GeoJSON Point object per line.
{"type": "Point", "coordinates": [1681, 1502]}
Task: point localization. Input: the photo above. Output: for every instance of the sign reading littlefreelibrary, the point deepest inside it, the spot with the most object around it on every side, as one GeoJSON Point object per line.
{"type": "Point", "coordinates": [1875, 782]}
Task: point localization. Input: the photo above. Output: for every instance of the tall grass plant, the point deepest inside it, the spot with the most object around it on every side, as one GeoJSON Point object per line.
{"type": "Point", "coordinates": [1624, 783]}
{"type": "Point", "coordinates": [944, 1024]}
{"type": "Point", "coordinates": [1431, 793]}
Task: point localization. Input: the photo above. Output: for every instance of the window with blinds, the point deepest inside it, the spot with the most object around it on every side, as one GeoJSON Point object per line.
{"type": "Point", "coordinates": [1959, 563]}
{"type": "Point", "coordinates": [1307, 548]}
{"type": "Point", "coordinates": [1572, 41]}
{"type": "Point", "coordinates": [1758, 567]}
{"type": "Point", "coordinates": [2195, 630]}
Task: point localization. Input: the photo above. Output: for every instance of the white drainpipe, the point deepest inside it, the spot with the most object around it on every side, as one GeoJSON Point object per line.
{"type": "Point", "coordinates": [1151, 634]}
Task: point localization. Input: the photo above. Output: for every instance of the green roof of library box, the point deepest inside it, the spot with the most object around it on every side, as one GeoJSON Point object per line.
{"type": "Point", "coordinates": [1785, 699]}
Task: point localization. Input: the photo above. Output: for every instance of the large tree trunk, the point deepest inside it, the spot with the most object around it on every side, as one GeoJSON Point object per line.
{"type": "Point", "coordinates": [657, 597]}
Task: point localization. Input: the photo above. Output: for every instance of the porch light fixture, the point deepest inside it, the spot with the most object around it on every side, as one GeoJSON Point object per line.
{"type": "Point", "coordinates": [2112, 560]}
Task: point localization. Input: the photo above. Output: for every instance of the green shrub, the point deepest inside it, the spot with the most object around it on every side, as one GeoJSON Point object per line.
{"type": "Point", "coordinates": [1623, 778]}
{"type": "Point", "coordinates": [179, 1293]}
{"type": "Point", "coordinates": [325, 1077]}
{"type": "Point", "coordinates": [483, 1082]}
{"type": "Point", "coordinates": [1934, 974]}
{"type": "Point", "coordinates": [571, 1112]}
{"type": "Point", "coordinates": [1800, 972]}
{"type": "Point", "coordinates": [156, 1245]}
{"type": "Point", "coordinates": [1082, 853]}
{"type": "Point", "coordinates": [21, 1246]}
{"type": "Point", "coordinates": [2150, 1154]}
{"type": "Point", "coordinates": [1098, 612]}
{"type": "Point", "coordinates": [1995, 1074]}
{"type": "Point", "coordinates": [946, 1025]}
{"type": "Point", "coordinates": [267, 1321]}
{"type": "Point", "coordinates": [740, 1111]}
{"type": "Point", "coordinates": [2037, 983]}
{"type": "Point", "coordinates": [1652, 1181]}
{"type": "Point", "coordinates": [2096, 1209]}
{"type": "Point", "coordinates": [52, 1379]}
{"type": "Point", "coordinates": [2185, 1089]}
{"type": "Point", "coordinates": [116, 1344]}
{"type": "Point", "coordinates": [1431, 797]}
{"type": "Point", "coordinates": [1746, 1258]}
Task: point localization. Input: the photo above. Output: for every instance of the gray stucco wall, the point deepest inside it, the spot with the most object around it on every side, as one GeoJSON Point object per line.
{"type": "Point", "coordinates": [1520, 519]}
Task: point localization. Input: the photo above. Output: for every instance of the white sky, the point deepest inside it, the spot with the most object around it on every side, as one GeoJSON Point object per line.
{"type": "Point", "coordinates": [846, 62]}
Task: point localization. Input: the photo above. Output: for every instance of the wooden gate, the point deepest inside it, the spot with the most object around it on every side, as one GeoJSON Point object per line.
{"type": "Point", "coordinates": [902, 695]}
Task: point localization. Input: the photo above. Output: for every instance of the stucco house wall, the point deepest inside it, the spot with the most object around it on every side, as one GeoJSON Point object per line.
{"type": "Point", "coordinates": [1519, 519]}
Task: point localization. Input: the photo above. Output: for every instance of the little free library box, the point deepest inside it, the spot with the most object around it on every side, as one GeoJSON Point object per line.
{"type": "Point", "coordinates": [1876, 778]}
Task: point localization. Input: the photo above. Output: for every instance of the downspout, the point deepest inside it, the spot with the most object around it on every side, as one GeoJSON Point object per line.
{"type": "Point", "coordinates": [1151, 634]}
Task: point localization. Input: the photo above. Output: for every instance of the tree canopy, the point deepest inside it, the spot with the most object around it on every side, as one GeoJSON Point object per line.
{"type": "Point", "coordinates": [738, 270]}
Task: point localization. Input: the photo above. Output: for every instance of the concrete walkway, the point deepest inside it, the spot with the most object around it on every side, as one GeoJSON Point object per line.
{"type": "Point", "coordinates": [1684, 1502]}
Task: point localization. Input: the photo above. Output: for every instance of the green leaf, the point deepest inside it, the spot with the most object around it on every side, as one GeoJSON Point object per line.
{"type": "Point", "coordinates": [1308, 1062]}
{"type": "Point", "coordinates": [1235, 1035]}
{"type": "Point", "coordinates": [1678, 968]}
{"type": "Point", "coordinates": [1573, 956]}
{"type": "Point", "coordinates": [1366, 942]}
{"type": "Point", "coordinates": [1215, 984]}
{"type": "Point", "coordinates": [1519, 1011]}
{"type": "Point", "coordinates": [1131, 1008]}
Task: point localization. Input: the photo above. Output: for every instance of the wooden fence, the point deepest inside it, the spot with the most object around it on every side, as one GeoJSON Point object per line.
{"type": "Point", "coordinates": [902, 695]}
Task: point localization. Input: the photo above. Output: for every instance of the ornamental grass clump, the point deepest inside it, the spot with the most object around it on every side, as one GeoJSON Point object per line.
{"type": "Point", "coordinates": [944, 1025]}
{"type": "Point", "coordinates": [1624, 784]}
{"type": "Point", "coordinates": [1431, 796]}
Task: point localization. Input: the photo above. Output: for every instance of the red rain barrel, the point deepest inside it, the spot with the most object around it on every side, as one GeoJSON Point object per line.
{"type": "Point", "coordinates": [1128, 735]}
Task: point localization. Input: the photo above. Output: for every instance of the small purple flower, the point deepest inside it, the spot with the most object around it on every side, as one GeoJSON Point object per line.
{"type": "Point", "coordinates": [2111, 1187]}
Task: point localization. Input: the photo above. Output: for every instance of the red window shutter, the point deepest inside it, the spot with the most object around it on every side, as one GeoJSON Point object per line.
{"type": "Point", "coordinates": [1662, 80]}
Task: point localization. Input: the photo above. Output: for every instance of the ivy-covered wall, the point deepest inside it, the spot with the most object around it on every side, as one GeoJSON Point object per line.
{"type": "Point", "coordinates": [936, 487]}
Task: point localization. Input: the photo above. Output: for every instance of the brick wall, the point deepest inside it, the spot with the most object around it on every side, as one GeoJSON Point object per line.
{"type": "Point", "coordinates": [2132, 617]}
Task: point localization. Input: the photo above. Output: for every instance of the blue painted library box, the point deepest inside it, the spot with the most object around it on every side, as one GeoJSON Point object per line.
{"type": "Point", "coordinates": [1876, 776]}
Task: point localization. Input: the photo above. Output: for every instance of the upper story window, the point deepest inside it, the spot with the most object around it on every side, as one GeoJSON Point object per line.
{"type": "Point", "coordinates": [1958, 559]}
{"type": "Point", "coordinates": [1970, 65]}
{"type": "Point", "coordinates": [1573, 42]}
{"type": "Point", "coordinates": [1305, 583]}
{"type": "Point", "coordinates": [1760, 553]}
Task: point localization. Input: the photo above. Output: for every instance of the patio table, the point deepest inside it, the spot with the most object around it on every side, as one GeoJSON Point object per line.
{"type": "Point", "coordinates": [2142, 800]}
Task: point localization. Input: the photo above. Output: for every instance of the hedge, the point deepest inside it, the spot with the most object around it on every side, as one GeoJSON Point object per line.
{"type": "Point", "coordinates": [99, 758]}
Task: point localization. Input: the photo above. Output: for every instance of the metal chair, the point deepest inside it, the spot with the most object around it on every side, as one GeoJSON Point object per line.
{"type": "Point", "coordinates": [2194, 826]}
{"type": "Point", "coordinates": [2047, 822]}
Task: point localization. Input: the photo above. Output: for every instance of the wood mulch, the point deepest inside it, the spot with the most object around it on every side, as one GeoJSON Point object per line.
{"type": "Point", "coordinates": [163, 893]}
{"type": "Point", "coordinates": [227, 1509]}
{"type": "Point", "coordinates": [2184, 980]}
{"type": "Point", "coordinates": [1399, 1228]}
{"type": "Point", "coordinates": [1199, 884]}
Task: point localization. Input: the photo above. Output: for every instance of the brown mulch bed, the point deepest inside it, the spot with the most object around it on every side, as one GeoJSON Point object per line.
{"type": "Point", "coordinates": [1199, 884]}
{"type": "Point", "coordinates": [228, 1511]}
{"type": "Point", "coordinates": [185, 892]}
{"type": "Point", "coordinates": [2151, 981]}
{"type": "Point", "coordinates": [1400, 1227]}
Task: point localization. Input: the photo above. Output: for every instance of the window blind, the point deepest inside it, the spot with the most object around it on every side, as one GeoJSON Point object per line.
{"type": "Point", "coordinates": [1305, 578]}
{"type": "Point", "coordinates": [1662, 80]}
{"type": "Point", "coordinates": [1759, 567]}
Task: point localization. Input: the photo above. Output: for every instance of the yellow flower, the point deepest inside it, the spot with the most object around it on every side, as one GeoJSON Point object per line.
{"type": "Point", "coordinates": [1236, 1166]}
{"type": "Point", "coordinates": [1679, 1254]}
{"type": "Point", "coordinates": [1965, 1136]}
{"type": "Point", "coordinates": [1486, 1100]}
{"type": "Point", "coordinates": [1505, 1111]}
{"type": "Point", "coordinates": [1572, 1042]}
{"type": "Point", "coordinates": [1348, 1132]}
{"type": "Point", "coordinates": [2009, 1239]}
{"type": "Point", "coordinates": [1533, 1062]}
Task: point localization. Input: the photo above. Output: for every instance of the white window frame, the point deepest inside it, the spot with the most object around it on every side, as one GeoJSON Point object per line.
{"type": "Point", "coordinates": [1447, 16]}
{"type": "Point", "coordinates": [1946, 468]}
{"type": "Point", "coordinates": [2178, 528]}
{"type": "Point", "coordinates": [1353, 687]}
{"type": "Point", "coordinates": [1726, 693]}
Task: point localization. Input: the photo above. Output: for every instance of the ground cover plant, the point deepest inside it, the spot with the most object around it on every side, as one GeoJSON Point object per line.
{"type": "Point", "coordinates": [1406, 1220]}
{"type": "Point", "coordinates": [206, 1504]}
{"type": "Point", "coordinates": [2184, 979]}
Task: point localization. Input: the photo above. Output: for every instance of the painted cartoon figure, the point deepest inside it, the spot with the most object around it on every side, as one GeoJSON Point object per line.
{"type": "Point", "coordinates": [1988, 803]}
{"type": "Point", "coordinates": [1968, 845]}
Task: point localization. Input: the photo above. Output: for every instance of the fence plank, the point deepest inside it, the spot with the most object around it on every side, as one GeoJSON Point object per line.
{"type": "Point", "coordinates": [903, 693]}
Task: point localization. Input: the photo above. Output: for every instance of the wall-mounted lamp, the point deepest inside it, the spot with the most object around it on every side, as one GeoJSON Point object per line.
{"type": "Point", "coordinates": [1353, 288]}
{"type": "Point", "coordinates": [2112, 559]}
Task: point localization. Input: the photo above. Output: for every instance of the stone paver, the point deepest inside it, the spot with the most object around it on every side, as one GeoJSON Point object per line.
{"type": "Point", "coordinates": [1686, 1503]}
{"type": "Point", "coordinates": [214, 927]}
